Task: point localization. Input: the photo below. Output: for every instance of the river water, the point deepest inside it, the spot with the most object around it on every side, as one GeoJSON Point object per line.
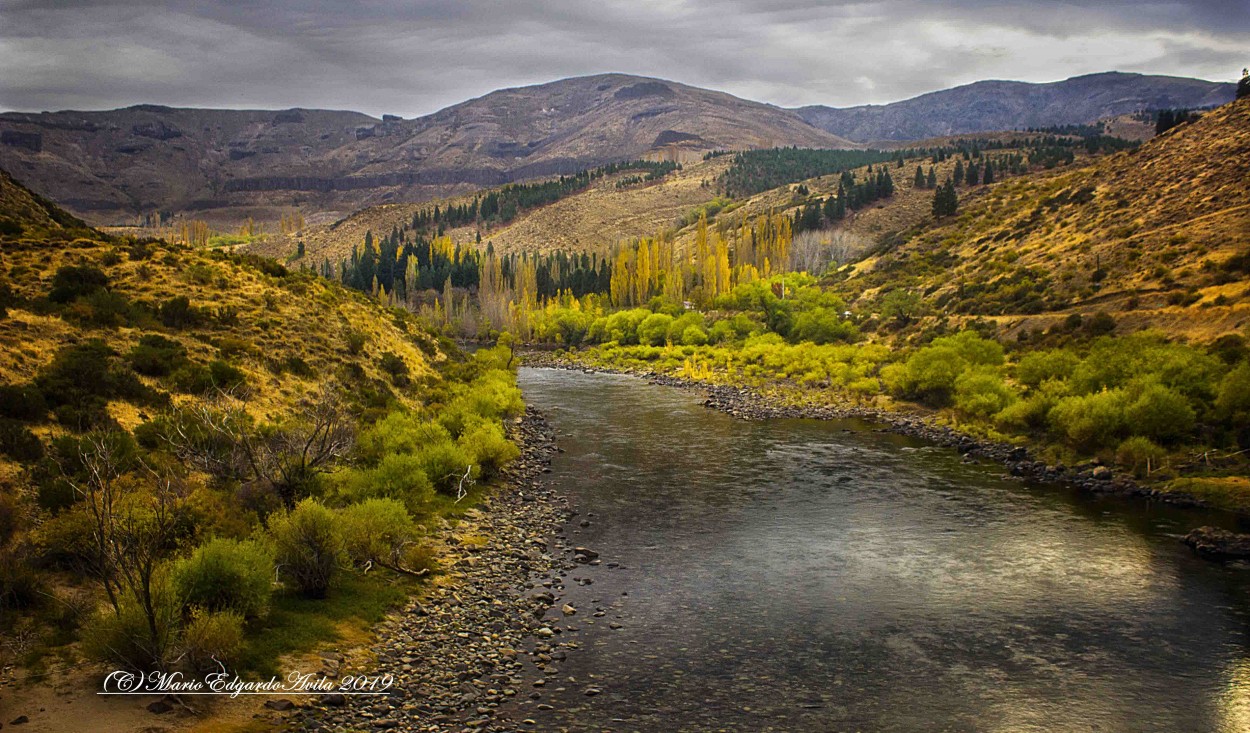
{"type": "Point", "coordinates": [799, 575]}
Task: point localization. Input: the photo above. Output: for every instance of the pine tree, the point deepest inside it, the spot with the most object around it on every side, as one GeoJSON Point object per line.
{"type": "Point", "coordinates": [932, 182]}
{"type": "Point", "coordinates": [919, 177]}
{"type": "Point", "coordinates": [945, 201]}
{"type": "Point", "coordinates": [1243, 86]}
{"type": "Point", "coordinates": [959, 171]}
{"type": "Point", "coordinates": [988, 176]}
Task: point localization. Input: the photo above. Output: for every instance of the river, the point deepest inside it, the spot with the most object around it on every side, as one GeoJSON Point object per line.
{"type": "Point", "coordinates": [799, 575]}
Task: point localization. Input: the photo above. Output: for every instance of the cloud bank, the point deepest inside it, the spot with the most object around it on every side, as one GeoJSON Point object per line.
{"type": "Point", "coordinates": [399, 57]}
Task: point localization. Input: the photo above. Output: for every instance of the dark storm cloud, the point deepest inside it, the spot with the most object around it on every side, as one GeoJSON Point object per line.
{"type": "Point", "coordinates": [412, 58]}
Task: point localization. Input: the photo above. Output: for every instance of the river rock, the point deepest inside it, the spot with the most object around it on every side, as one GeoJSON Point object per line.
{"type": "Point", "coordinates": [1219, 544]}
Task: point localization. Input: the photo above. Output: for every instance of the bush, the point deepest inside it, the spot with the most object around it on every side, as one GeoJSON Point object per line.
{"type": "Point", "coordinates": [1233, 400]}
{"type": "Point", "coordinates": [1040, 366]}
{"type": "Point", "coordinates": [18, 443]}
{"type": "Point", "coordinates": [822, 326]}
{"type": "Point", "coordinates": [309, 546]}
{"type": "Point", "coordinates": [396, 368]}
{"type": "Point", "coordinates": [197, 379]}
{"type": "Point", "coordinates": [1139, 455]}
{"type": "Point", "coordinates": [1160, 413]}
{"type": "Point", "coordinates": [226, 575]}
{"type": "Point", "coordinates": [1090, 421]}
{"type": "Point", "coordinates": [1025, 415]}
{"type": "Point", "coordinates": [653, 330]}
{"type": "Point", "coordinates": [157, 356]}
{"type": "Point", "coordinates": [22, 402]}
{"type": "Point", "coordinates": [127, 636]}
{"type": "Point", "coordinates": [211, 639]}
{"type": "Point", "coordinates": [445, 464]}
{"type": "Point", "coordinates": [693, 336]}
{"type": "Point", "coordinates": [177, 312]}
{"type": "Point", "coordinates": [397, 476]}
{"type": "Point", "coordinates": [375, 530]}
{"type": "Point", "coordinates": [982, 393]}
{"type": "Point", "coordinates": [21, 588]}
{"type": "Point", "coordinates": [355, 342]}
{"type": "Point", "coordinates": [72, 282]}
{"type": "Point", "coordinates": [487, 445]}
{"type": "Point", "coordinates": [82, 379]}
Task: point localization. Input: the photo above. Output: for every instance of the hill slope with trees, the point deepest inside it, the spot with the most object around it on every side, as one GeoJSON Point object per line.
{"type": "Point", "coordinates": [1159, 236]}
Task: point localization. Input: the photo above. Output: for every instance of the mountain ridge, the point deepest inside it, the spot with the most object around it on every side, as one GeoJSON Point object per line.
{"type": "Point", "coordinates": [995, 104]}
{"type": "Point", "coordinates": [116, 165]}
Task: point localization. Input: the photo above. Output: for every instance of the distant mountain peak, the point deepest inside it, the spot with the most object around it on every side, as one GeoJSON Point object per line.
{"type": "Point", "coordinates": [1012, 105]}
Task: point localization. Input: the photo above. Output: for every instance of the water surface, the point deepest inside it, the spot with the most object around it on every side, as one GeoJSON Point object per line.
{"type": "Point", "coordinates": [796, 575]}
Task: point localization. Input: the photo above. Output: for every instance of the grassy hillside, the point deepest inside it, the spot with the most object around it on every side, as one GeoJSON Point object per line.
{"type": "Point", "coordinates": [1158, 235]}
{"type": "Point", "coordinates": [175, 424]}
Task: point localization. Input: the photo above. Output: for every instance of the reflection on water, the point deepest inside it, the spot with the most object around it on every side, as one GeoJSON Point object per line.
{"type": "Point", "coordinates": [813, 576]}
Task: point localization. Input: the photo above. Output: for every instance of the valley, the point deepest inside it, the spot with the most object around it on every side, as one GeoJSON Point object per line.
{"type": "Point", "coordinates": [618, 403]}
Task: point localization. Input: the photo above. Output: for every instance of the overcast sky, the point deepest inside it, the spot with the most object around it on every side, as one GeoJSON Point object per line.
{"type": "Point", "coordinates": [411, 58]}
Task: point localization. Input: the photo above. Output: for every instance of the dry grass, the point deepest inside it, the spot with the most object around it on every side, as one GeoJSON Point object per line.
{"type": "Point", "coordinates": [1128, 234]}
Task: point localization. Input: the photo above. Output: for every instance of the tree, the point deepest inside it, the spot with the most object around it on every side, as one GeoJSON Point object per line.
{"type": "Point", "coordinates": [932, 180]}
{"type": "Point", "coordinates": [988, 176]}
{"type": "Point", "coordinates": [134, 519]}
{"type": "Point", "coordinates": [218, 437]}
{"type": "Point", "coordinates": [959, 171]}
{"type": "Point", "coordinates": [920, 178]}
{"type": "Point", "coordinates": [945, 201]}
{"type": "Point", "coordinates": [1243, 86]}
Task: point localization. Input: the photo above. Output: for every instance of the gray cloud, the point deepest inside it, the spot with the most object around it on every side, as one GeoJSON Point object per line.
{"type": "Point", "coordinates": [413, 58]}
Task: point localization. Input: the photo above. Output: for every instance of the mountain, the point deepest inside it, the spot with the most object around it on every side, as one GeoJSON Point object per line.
{"type": "Point", "coordinates": [1158, 236]}
{"type": "Point", "coordinates": [1015, 105]}
{"type": "Point", "coordinates": [227, 164]}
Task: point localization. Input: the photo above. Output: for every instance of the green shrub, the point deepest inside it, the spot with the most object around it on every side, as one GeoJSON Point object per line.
{"type": "Point", "coordinates": [18, 443]}
{"type": "Point", "coordinates": [1139, 455]}
{"type": "Point", "coordinates": [1040, 366]}
{"type": "Point", "coordinates": [1090, 421]}
{"type": "Point", "coordinates": [212, 638]}
{"type": "Point", "coordinates": [822, 326]}
{"type": "Point", "coordinates": [693, 336]}
{"type": "Point", "coordinates": [157, 356]}
{"type": "Point", "coordinates": [355, 342]}
{"type": "Point", "coordinates": [653, 330]}
{"type": "Point", "coordinates": [226, 575]}
{"type": "Point", "coordinates": [72, 282]}
{"type": "Point", "coordinates": [376, 530]}
{"type": "Point", "coordinates": [396, 368]}
{"type": "Point", "coordinates": [177, 312]}
{"type": "Point", "coordinates": [982, 393]}
{"type": "Point", "coordinates": [82, 379]}
{"type": "Point", "coordinates": [1233, 400]}
{"type": "Point", "coordinates": [129, 638]}
{"type": "Point", "coordinates": [446, 464]}
{"type": "Point", "coordinates": [487, 446]}
{"type": "Point", "coordinates": [397, 476]}
{"type": "Point", "coordinates": [21, 587]}
{"type": "Point", "coordinates": [1026, 415]}
{"type": "Point", "coordinates": [1160, 413]}
{"type": "Point", "coordinates": [197, 379]}
{"type": "Point", "coordinates": [309, 547]}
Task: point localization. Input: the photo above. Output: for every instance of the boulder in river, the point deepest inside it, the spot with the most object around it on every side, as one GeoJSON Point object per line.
{"type": "Point", "coordinates": [1219, 544]}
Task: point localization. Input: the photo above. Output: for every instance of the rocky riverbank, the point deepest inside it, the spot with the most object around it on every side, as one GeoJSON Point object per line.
{"type": "Point", "coordinates": [458, 651]}
{"type": "Point", "coordinates": [749, 404]}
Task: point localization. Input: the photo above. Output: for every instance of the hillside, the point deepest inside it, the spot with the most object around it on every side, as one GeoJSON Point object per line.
{"type": "Point", "coordinates": [224, 165]}
{"type": "Point", "coordinates": [1013, 105]}
{"type": "Point", "coordinates": [1158, 236]}
{"type": "Point", "coordinates": [588, 221]}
